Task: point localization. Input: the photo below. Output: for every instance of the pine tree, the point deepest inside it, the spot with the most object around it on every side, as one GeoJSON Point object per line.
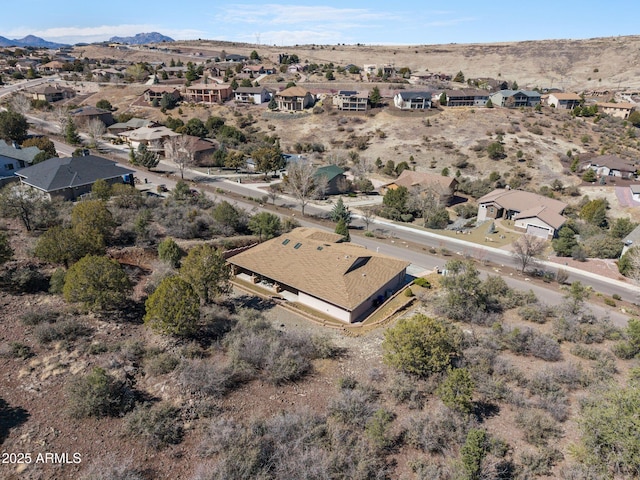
{"type": "Point", "coordinates": [343, 229]}
{"type": "Point", "coordinates": [71, 133]}
{"type": "Point", "coordinates": [340, 212]}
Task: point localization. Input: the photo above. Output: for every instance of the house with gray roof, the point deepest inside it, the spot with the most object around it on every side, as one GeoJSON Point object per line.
{"type": "Point", "coordinates": [515, 98]}
{"type": "Point", "coordinates": [351, 101]}
{"type": "Point", "coordinates": [69, 178]}
{"type": "Point", "coordinates": [13, 157]}
{"type": "Point", "coordinates": [252, 95]}
{"type": "Point", "coordinates": [412, 100]}
{"type": "Point", "coordinates": [335, 178]}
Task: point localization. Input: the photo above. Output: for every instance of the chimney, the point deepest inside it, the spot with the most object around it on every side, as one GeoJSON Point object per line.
{"type": "Point", "coordinates": [15, 145]}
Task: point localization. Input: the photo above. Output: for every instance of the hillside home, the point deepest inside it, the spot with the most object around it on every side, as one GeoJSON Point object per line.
{"type": "Point", "coordinates": [49, 68]}
{"type": "Point", "coordinates": [532, 213]}
{"type": "Point", "coordinates": [208, 93]}
{"type": "Point", "coordinates": [422, 183]}
{"type": "Point", "coordinates": [351, 101]}
{"type": "Point", "coordinates": [563, 101]}
{"type": "Point", "coordinates": [69, 178]}
{"type": "Point", "coordinates": [83, 115]}
{"type": "Point", "coordinates": [52, 93]}
{"type": "Point", "coordinates": [153, 137]}
{"type": "Point", "coordinates": [252, 95]}
{"type": "Point", "coordinates": [412, 100]}
{"type": "Point", "coordinates": [131, 124]}
{"type": "Point", "coordinates": [515, 98]}
{"type": "Point", "coordinates": [612, 166]}
{"type": "Point", "coordinates": [294, 99]}
{"type": "Point", "coordinates": [308, 266]}
{"type": "Point", "coordinates": [156, 93]}
{"type": "Point", "coordinates": [464, 98]}
{"type": "Point", "coordinates": [13, 158]}
{"type": "Point", "coordinates": [618, 110]}
{"type": "Point", "coordinates": [334, 177]}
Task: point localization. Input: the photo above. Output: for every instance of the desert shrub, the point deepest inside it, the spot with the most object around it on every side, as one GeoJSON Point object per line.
{"type": "Point", "coordinates": [577, 471]}
{"type": "Point", "coordinates": [99, 394]}
{"type": "Point", "coordinates": [36, 317]}
{"type": "Point", "coordinates": [25, 279]}
{"type": "Point", "coordinates": [201, 377]}
{"type": "Point", "coordinates": [377, 429]}
{"type": "Point", "coordinates": [408, 292]}
{"type": "Point", "coordinates": [159, 425]}
{"type": "Point", "coordinates": [585, 352]}
{"type": "Point", "coordinates": [20, 350]}
{"type": "Point", "coordinates": [456, 390]}
{"type": "Point", "coordinates": [537, 427]}
{"type": "Point", "coordinates": [161, 364]}
{"type": "Point", "coordinates": [56, 282]}
{"type": "Point", "coordinates": [169, 252]}
{"type": "Point", "coordinates": [528, 342]}
{"type": "Point", "coordinates": [353, 407]}
{"type": "Point", "coordinates": [583, 328]}
{"type": "Point", "coordinates": [406, 389]}
{"type": "Point", "coordinates": [533, 314]}
{"type": "Point", "coordinates": [540, 462]}
{"type": "Point", "coordinates": [437, 431]}
{"type": "Point", "coordinates": [65, 330]}
{"type": "Point", "coordinates": [112, 468]}
{"type": "Point", "coordinates": [347, 383]}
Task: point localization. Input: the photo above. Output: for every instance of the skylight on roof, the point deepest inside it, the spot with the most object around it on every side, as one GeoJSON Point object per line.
{"type": "Point", "coordinates": [297, 245]}
{"type": "Point", "coordinates": [285, 241]}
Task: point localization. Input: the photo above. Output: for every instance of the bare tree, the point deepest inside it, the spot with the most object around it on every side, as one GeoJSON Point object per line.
{"type": "Point", "coordinates": [368, 215]}
{"type": "Point", "coordinates": [96, 129]}
{"type": "Point", "coordinates": [20, 104]}
{"type": "Point", "coordinates": [301, 183]}
{"type": "Point", "coordinates": [275, 189]}
{"type": "Point", "coordinates": [61, 116]}
{"type": "Point", "coordinates": [526, 249]}
{"type": "Point", "coordinates": [181, 151]}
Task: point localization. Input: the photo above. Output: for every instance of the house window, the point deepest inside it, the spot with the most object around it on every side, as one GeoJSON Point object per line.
{"type": "Point", "coordinates": [491, 210]}
{"type": "Point", "coordinates": [8, 166]}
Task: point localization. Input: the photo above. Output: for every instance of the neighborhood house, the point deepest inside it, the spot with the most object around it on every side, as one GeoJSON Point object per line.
{"type": "Point", "coordinates": [308, 266]}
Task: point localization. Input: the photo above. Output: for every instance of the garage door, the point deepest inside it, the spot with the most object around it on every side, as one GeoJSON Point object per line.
{"type": "Point", "coordinates": [538, 231]}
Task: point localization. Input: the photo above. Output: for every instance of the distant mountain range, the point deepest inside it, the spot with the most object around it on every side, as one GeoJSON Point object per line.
{"type": "Point", "coordinates": [29, 41]}
{"type": "Point", "coordinates": [142, 38]}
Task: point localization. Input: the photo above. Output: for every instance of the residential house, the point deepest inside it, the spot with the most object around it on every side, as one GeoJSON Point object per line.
{"type": "Point", "coordinates": [49, 68]}
{"type": "Point", "coordinates": [69, 178]}
{"type": "Point", "coordinates": [157, 92]}
{"type": "Point", "coordinates": [612, 166]}
{"type": "Point", "coordinates": [52, 93]}
{"type": "Point", "coordinates": [532, 213]}
{"type": "Point", "coordinates": [308, 266]}
{"type": "Point", "coordinates": [209, 93]}
{"type": "Point", "coordinates": [618, 110]}
{"type": "Point", "coordinates": [631, 240]}
{"type": "Point", "coordinates": [336, 180]}
{"type": "Point", "coordinates": [13, 157]}
{"type": "Point", "coordinates": [202, 150]}
{"type": "Point", "coordinates": [85, 114]}
{"type": "Point", "coordinates": [131, 124]}
{"type": "Point", "coordinates": [423, 182]}
{"type": "Point", "coordinates": [515, 98]}
{"type": "Point", "coordinates": [256, 70]}
{"type": "Point", "coordinates": [412, 100]}
{"type": "Point", "coordinates": [565, 101]}
{"type": "Point", "coordinates": [294, 99]}
{"type": "Point", "coordinates": [351, 101]}
{"type": "Point", "coordinates": [252, 95]}
{"type": "Point", "coordinates": [464, 98]}
{"type": "Point", "coordinates": [235, 58]}
{"type": "Point", "coordinates": [153, 137]}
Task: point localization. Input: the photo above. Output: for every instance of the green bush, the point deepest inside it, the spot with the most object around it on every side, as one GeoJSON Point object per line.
{"type": "Point", "coordinates": [408, 292]}
{"type": "Point", "coordinates": [99, 394]}
{"type": "Point", "coordinates": [66, 330]}
{"type": "Point", "coordinates": [161, 364]}
{"type": "Point", "coordinates": [20, 350]}
{"type": "Point", "coordinates": [422, 282]}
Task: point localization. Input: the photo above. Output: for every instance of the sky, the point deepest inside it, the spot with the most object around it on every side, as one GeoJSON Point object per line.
{"type": "Point", "coordinates": [372, 22]}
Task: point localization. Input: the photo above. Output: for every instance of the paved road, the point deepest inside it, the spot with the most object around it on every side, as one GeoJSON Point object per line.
{"type": "Point", "coordinates": [9, 89]}
{"type": "Point", "coordinates": [401, 233]}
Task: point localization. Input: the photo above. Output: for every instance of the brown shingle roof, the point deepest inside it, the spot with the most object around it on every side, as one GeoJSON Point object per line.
{"type": "Point", "coordinates": [565, 96]}
{"type": "Point", "coordinates": [343, 274]}
{"type": "Point", "coordinates": [548, 216]}
{"type": "Point", "coordinates": [521, 201]}
{"type": "Point", "coordinates": [293, 92]}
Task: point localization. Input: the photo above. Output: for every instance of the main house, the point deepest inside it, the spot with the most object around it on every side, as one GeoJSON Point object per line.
{"type": "Point", "coordinates": [333, 175]}
{"type": "Point", "coordinates": [564, 101]}
{"type": "Point", "coordinates": [421, 182]}
{"type": "Point", "coordinates": [515, 98]}
{"type": "Point", "coordinates": [52, 93]}
{"type": "Point", "coordinates": [252, 95]}
{"type": "Point", "coordinates": [13, 158]}
{"type": "Point", "coordinates": [69, 178]}
{"type": "Point", "coordinates": [83, 115]}
{"type": "Point", "coordinates": [152, 137]}
{"type": "Point", "coordinates": [465, 98]}
{"type": "Point", "coordinates": [618, 110]}
{"type": "Point", "coordinates": [308, 266]}
{"type": "Point", "coordinates": [351, 101]}
{"type": "Point", "coordinates": [532, 213]}
{"type": "Point", "coordinates": [412, 100]}
{"type": "Point", "coordinates": [294, 99]}
{"type": "Point", "coordinates": [208, 93]}
{"type": "Point", "coordinates": [155, 93]}
{"type": "Point", "coordinates": [612, 166]}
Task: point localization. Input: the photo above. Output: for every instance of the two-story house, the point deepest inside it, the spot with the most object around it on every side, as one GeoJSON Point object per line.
{"type": "Point", "coordinates": [351, 101]}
